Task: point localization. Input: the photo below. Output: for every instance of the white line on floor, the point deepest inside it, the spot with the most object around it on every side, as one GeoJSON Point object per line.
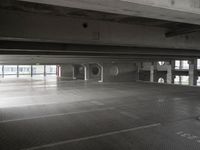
{"type": "Point", "coordinates": [56, 115]}
{"type": "Point", "coordinates": [33, 104]}
{"type": "Point", "coordinates": [93, 137]}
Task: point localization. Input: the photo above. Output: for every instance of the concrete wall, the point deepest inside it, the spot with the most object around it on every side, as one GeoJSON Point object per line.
{"type": "Point", "coordinates": [159, 71]}
{"type": "Point", "coordinates": [125, 72]}
{"type": "Point", "coordinates": [144, 75]}
{"type": "Point", "coordinates": [111, 72]}
{"type": "Point", "coordinates": [67, 71]}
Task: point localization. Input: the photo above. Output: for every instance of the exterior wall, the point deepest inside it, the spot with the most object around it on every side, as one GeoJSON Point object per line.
{"type": "Point", "coordinates": [126, 72]}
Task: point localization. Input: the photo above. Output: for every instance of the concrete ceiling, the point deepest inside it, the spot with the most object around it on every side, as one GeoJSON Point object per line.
{"type": "Point", "coordinates": [185, 11]}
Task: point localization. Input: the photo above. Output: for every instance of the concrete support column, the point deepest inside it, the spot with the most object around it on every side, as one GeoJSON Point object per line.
{"type": "Point", "coordinates": [3, 71]}
{"type": "Point", "coordinates": [86, 72]}
{"type": "Point", "coordinates": [74, 72]}
{"type": "Point", "coordinates": [170, 72]}
{"type": "Point", "coordinates": [102, 73]}
{"type": "Point", "coordinates": [58, 71]}
{"type": "Point", "coordinates": [17, 71]}
{"type": "Point", "coordinates": [31, 70]}
{"type": "Point", "coordinates": [193, 72]}
{"type": "Point", "coordinates": [153, 72]}
{"type": "Point", "coordinates": [45, 72]}
{"type": "Point", "coordinates": [139, 67]}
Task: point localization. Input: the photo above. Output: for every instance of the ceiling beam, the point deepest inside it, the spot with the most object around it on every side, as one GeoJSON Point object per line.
{"type": "Point", "coordinates": [45, 48]}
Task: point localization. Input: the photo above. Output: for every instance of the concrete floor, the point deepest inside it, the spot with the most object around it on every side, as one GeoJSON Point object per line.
{"type": "Point", "coordinates": [77, 115]}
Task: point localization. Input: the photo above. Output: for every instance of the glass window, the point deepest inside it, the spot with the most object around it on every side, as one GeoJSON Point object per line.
{"type": "Point", "coordinates": [38, 70]}
{"type": "Point", "coordinates": [10, 69]}
{"type": "Point", "coordinates": [185, 64]}
{"type": "Point", "coordinates": [183, 80]}
{"type": "Point", "coordinates": [24, 70]}
{"type": "Point", "coordinates": [177, 80]}
{"type": "Point", "coordinates": [181, 64]}
{"type": "Point", "coordinates": [50, 69]}
{"type": "Point", "coordinates": [177, 64]}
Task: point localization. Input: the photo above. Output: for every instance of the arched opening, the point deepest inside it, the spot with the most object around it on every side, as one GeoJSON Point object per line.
{"type": "Point", "coordinates": [78, 71]}
{"type": "Point", "coordinates": [161, 63]}
{"type": "Point", "coordinates": [95, 70]}
{"type": "Point", "coordinates": [161, 80]}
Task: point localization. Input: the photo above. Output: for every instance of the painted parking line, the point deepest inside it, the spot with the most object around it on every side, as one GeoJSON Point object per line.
{"type": "Point", "coordinates": [56, 115]}
{"type": "Point", "coordinates": [92, 137]}
{"type": "Point", "coordinates": [97, 103]}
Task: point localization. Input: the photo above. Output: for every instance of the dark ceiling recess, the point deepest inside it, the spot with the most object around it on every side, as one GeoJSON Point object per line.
{"type": "Point", "coordinates": [85, 25]}
{"type": "Point", "coordinates": [174, 28]}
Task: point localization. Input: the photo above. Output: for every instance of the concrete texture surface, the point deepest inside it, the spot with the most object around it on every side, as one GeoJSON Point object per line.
{"type": "Point", "coordinates": [37, 114]}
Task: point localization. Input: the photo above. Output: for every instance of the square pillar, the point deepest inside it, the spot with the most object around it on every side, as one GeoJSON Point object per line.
{"type": "Point", "coordinates": [86, 72]}
{"type": "Point", "coordinates": [31, 71]}
{"type": "Point", "coordinates": [17, 71]}
{"type": "Point", "coordinates": [2, 71]}
{"type": "Point", "coordinates": [153, 72]}
{"type": "Point", "coordinates": [193, 72]}
{"type": "Point", "coordinates": [170, 72]}
{"type": "Point", "coordinates": [102, 72]}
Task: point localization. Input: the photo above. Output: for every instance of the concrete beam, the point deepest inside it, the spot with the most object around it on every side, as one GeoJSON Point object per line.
{"type": "Point", "coordinates": [23, 26]}
{"type": "Point", "coordinates": [60, 59]}
{"type": "Point", "coordinates": [187, 11]}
